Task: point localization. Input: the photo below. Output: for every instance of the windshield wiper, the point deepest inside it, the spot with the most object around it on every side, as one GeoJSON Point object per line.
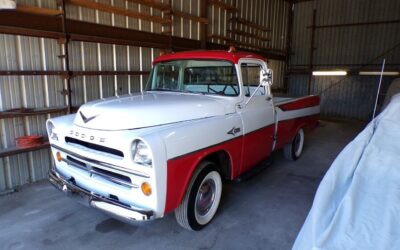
{"type": "Point", "coordinates": [176, 90]}
{"type": "Point", "coordinates": [184, 91]}
{"type": "Point", "coordinates": [161, 89]}
{"type": "Point", "coordinates": [209, 93]}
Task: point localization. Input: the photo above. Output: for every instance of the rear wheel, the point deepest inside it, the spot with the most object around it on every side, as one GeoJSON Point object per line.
{"type": "Point", "coordinates": [202, 198]}
{"type": "Point", "coordinates": [293, 150]}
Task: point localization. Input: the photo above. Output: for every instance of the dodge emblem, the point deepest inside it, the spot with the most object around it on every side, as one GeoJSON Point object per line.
{"type": "Point", "coordinates": [86, 119]}
{"type": "Point", "coordinates": [233, 131]}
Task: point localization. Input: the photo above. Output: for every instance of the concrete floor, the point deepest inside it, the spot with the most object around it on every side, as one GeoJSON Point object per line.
{"type": "Point", "coordinates": [264, 212]}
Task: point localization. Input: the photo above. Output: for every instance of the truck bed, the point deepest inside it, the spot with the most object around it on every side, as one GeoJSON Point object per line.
{"type": "Point", "coordinates": [295, 113]}
{"type": "Point", "coordinates": [280, 100]}
{"type": "Point", "coordinates": [288, 103]}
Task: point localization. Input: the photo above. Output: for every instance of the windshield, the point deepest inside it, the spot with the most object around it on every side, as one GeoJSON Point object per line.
{"type": "Point", "coordinates": [195, 76]}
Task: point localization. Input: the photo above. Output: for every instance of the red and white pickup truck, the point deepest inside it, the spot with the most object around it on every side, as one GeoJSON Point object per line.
{"type": "Point", "coordinates": [204, 116]}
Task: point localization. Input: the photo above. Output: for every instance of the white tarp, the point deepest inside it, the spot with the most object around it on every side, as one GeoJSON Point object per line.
{"type": "Point", "coordinates": [7, 4]}
{"type": "Point", "coordinates": [357, 204]}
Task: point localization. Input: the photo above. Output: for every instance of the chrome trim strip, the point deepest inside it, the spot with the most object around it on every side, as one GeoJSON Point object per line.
{"type": "Point", "coordinates": [113, 208]}
{"type": "Point", "coordinates": [74, 164]}
{"type": "Point", "coordinates": [103, 164]}
{"type": "Point", "coordinates": [115, 180]}
{"type": "Point", "coordinates": [93, 171]}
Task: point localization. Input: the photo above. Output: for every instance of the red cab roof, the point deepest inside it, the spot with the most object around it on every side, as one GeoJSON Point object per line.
{"type": "Point", "coordinates": [208, 54]}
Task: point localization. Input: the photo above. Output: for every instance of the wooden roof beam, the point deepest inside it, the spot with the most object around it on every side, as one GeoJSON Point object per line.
{"type": "Point", "coordinates": [118, 11]}
{"type": "Point", "coordinates": [37, 10]}
{"type": "Point", "coordinates": [152, 4]}
{"type": "Point", "coordinates": [13, 22]}
{"type": "Point", "coordinates": [250, 24]}
{"type": "Point", "coordinates": [190, 17]}
{"type": "Point", "coordinates": [222, 5]}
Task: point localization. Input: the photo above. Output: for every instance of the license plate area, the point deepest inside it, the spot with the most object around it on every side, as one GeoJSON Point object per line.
{"type": "Point", "coordinates": [78, 196]}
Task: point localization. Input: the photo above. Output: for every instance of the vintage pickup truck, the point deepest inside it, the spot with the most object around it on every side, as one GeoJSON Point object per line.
{"type": "Point", "coordinates": [204, 116]}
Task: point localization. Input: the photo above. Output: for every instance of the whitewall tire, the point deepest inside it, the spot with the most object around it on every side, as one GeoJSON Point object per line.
{"type": "Point", "coordinates": [202, 198]}
{"type": "Point", "coordinates": [294, 149]}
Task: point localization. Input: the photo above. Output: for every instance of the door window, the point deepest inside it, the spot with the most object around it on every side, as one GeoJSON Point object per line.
{"type": "Point", "coordinates": [251, 79]}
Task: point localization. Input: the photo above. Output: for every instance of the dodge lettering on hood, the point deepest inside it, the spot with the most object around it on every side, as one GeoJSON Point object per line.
{"type": "Point", "coordinates": [204, 116]}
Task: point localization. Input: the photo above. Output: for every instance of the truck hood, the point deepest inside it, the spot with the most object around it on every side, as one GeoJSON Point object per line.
{"type": "Point", "coordinates": [146, 110]}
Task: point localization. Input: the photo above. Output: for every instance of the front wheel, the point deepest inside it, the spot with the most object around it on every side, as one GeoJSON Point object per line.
{"type": "Point", "coordinates": [293, 150]}
{"type": "Point", "coordinates": [202, 198]}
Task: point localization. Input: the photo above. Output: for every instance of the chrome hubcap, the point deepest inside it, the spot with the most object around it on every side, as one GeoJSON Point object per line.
{"type": "Point", "coordinates": [205, 197]}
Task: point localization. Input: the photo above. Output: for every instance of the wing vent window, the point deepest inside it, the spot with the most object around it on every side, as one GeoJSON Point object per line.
{"type": "Point", "coordinates": [251, 79]}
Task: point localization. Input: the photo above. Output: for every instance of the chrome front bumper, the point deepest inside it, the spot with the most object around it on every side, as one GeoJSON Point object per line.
{"type": "Point", "coordinates": [111, 207]}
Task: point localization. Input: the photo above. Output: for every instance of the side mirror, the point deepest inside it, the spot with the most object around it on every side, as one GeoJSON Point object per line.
{"type": "Point", "coordinates": [266, 77]}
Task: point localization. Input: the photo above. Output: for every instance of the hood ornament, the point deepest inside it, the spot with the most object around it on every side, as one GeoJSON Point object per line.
{"type": "Point", "coordinates": [86, 119]}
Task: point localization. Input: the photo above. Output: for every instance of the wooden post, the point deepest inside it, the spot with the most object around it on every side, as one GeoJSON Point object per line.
{"type": "Point", "coordinates": [288, 45]}
{"type": "Point", "coordinates": [203, 26]}
{"type": "Point", "coordinates": [66, 56]}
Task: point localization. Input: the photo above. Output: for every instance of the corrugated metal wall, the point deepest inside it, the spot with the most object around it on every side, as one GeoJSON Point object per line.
{"type": "Point", "coordinates": [350, 98]}
{"type": "Point", "coordinates": [27, 53]}
{"type": "Point", "coordinates": [30, 53]}
{"type": "Point", "coordinates": [346, 47]}
{"type": "Point", "coordinates": [272, 14]}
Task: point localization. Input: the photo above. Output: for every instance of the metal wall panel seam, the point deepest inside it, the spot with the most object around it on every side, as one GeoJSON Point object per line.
{"type": "Point", "coordinates": [141, 67]}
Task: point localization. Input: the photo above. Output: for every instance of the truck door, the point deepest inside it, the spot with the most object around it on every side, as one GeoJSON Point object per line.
{"type": "Point", "coordinates": [258, 115]}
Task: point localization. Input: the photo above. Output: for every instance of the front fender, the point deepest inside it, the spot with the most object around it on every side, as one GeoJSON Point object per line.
{"type": "Point", "coordinates": [188, 144]}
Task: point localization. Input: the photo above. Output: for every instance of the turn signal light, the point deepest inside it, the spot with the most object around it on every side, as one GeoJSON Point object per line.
{"type": "Point", "coordinates": [146, 188]}
{"type": "Point", "coordinates": [58, 156]}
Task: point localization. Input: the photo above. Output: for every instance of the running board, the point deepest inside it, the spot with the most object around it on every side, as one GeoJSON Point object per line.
{"type": "Point", "coordinates": [255, 171]}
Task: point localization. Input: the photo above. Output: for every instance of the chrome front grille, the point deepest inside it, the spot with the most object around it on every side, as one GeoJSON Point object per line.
{"type": "Point", "coordinates": [95, 147]}
{"type": "Point", "coordinates": [117, 174]}
{"type": "Point", "coordinates": [96, 171]}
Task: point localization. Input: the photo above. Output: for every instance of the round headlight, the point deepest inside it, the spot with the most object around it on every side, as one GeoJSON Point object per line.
{"type": "Point", "coordinates": [141, 153]}
{"type": "Point", "coordinates": [51, 130]}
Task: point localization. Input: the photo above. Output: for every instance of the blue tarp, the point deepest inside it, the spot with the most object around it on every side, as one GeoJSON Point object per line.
{"type": "Point", "coordinates": [357, 204]}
